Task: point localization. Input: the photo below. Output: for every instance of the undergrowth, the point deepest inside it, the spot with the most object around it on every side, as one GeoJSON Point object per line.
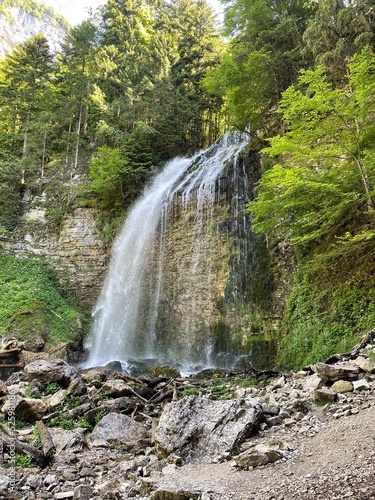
{"type": "Point", "coordinates": [332, 304]}
{"type": "Point", "coordinates": [31, 303]}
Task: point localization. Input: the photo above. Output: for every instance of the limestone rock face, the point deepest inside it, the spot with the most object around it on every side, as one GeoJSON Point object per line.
{"type": "Point", "coordinates": [20, 25]}
{"type": "Point", "coordinates": [200, 429]}
{"type": "Point", "coordinates": [118, 430]}
{"type": "Point", "coordinates": [54, 370]}
{"type": "Point", "coordinates": [76, 252]}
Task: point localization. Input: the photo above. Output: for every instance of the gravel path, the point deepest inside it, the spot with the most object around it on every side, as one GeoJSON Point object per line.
{"type": "Point", "coordinates": [337, 462]}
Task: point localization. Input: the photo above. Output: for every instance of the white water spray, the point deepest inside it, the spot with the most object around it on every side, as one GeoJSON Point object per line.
{"type": "Point", "coordinates": [117, 314]}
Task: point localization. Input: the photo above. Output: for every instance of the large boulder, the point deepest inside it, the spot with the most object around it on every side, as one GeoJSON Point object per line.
{"type": "Point", "coordinates": [198, 429]}
{"type": "Point", "coordinates": [339, 371]}
{"type": "Point", "coordinates": [25, 409]}
{"type": "Point", "coordinates": [51, 370]}
{"type": "Point", "coordinates": [119, 431]}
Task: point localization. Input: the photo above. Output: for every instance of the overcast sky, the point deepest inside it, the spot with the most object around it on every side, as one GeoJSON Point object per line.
{"type": "Point", "coordinates": [75, 11]}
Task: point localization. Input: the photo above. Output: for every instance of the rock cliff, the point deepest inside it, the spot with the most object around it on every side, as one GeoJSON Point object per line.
{"type": "Point", "coordinates": [17, 25]}
{"type": "Point", "coordinates": [74, 249]}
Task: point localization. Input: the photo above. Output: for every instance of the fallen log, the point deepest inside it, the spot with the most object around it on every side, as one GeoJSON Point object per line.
{"type": "Point", "coordinates": [45, 438]}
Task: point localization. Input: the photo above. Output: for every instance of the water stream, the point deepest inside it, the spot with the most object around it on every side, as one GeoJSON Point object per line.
{"type": "Point", "coordinates": [135, 304]}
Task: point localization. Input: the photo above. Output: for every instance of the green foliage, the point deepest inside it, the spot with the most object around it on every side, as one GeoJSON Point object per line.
{"type": "Point", "coordinates": [262, 59]}
{"type": "Point", "coordinates": [37, 441]}
{"type": "Point", "coordinates": [322, 321]}
{"type": "Point", "coordinates": [101, 413]}
{"type": "Point", "coordinates": [72, 401]}
{"type": "Point", "coordinates": [52, 388]}
{"type": "Point", "coordinates": [23, 461]}
{"type": "Point", "coordinates": [20, 424]}
{"type": "Point", "coordinates": [31, 303]}
{"type": "Point", "coordinates": [191, 391]}
{"type": "Point", "coordinates": [326, 176]}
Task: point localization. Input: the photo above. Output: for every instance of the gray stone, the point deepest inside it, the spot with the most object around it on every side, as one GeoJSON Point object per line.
{"type": "Point", "coordinates": [34, 482]}
{"type": "Point", "coordinates": [200, 429]}
{"type": "Point", "coordinates": [339, 371]}
{"type": "Point", "coordinates": [4, 483]}
{"type": "Point", "coordinates": [56, 399]}
{"type": "Point", "coordinates": [324, 395]}
{"type": "Point", "coordinates": [53, 370]}
{"type": "Point", "coordinates": [83, 492]}
{"type": "Point", "coordinates": [26, 409]}
{"type": "Point", "coordinates": [361, 385]}
{"type": "Point", "coordinates": [64, 495]}
{"type": "Point", "coordinates": [342, 386]}
{"type": "Point", "coordinates": [77, 387]}
{"type": "Point", "coordinates": [118, 430]}
{"type": "Point", "coordinates": [73, 440]}
{"type": "Point", "coordinates": [312, 382]}
{"type": "Point", "coordinates": [116, 388]}
{"type": "Point", "coordinates": [365, 364]}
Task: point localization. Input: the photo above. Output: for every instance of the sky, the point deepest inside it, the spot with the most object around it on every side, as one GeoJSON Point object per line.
{"type": "Point", "coordinates": [75, 11]}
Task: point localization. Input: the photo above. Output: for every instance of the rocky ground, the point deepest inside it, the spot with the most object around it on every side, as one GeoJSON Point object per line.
{"type": "Point", "coordinates": [231, 436]}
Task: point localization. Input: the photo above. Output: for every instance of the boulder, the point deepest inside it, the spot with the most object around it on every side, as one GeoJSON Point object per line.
{"type": "Point", "coordinates": [47, 371]}
{"type": "Point", "coordinates": [365, 364]}
{"type": "Point", "coordinates": [198, 429]}
{"type": "Point", "coordinates": [118, 430]}
{"type": "Point", "coordinates": [259, 455]}
{"type": "Point", "coordinates": [312, 382]}
{"type": "Point", "coordinates": [116, 388]}
{"type": "Point", "coordinates": [74, 441]}
{"type": "Point", "coordinates": [342, 386]}
{"type": "Point", "coordinates": [25, 409]}
{"type": "Point", "coordinates": [339, 371]}
{"type": "Point", "coordinates": [325, 395]}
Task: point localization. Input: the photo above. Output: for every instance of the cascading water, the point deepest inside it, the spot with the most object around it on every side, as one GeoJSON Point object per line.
{"type": "Point", "coordinates": [151, 305]}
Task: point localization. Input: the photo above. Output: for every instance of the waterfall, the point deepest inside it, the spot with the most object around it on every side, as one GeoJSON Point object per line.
{"type": "Point", "coordinates": [137, 315]}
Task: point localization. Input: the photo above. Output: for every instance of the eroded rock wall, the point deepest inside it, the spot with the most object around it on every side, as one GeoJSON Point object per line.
{"type": "Point", "coordinates": [74, 249]}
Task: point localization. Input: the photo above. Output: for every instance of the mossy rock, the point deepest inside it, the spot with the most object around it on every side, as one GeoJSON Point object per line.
{"type": "Point", "coordinates": [166, 371]}
{"type": "Point", "coordinates": [30, 327]}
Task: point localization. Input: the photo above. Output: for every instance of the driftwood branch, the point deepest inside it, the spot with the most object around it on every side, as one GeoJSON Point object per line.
{"type": "Point", "coordinates": [46, 440]}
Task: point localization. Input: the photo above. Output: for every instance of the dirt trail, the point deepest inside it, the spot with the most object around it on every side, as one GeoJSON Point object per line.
{"type": "Point", "coordinates": [337, 462]}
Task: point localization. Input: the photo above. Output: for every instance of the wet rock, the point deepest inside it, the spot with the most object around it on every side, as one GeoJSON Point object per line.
{"type": "Point", "coordinates": [339, 371]}
{"type": "Point", "coordinates": [118, 430]}
{"type": "Point", "coordinates": [51, 370]}
{"type": "Point", "coordinates": [342, 386]}
{"type": "Point", "coordinates": [200, 429]}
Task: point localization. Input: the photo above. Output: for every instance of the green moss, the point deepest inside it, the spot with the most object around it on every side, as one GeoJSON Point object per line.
{"type": "Point", "coordinates": [32, 306]}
